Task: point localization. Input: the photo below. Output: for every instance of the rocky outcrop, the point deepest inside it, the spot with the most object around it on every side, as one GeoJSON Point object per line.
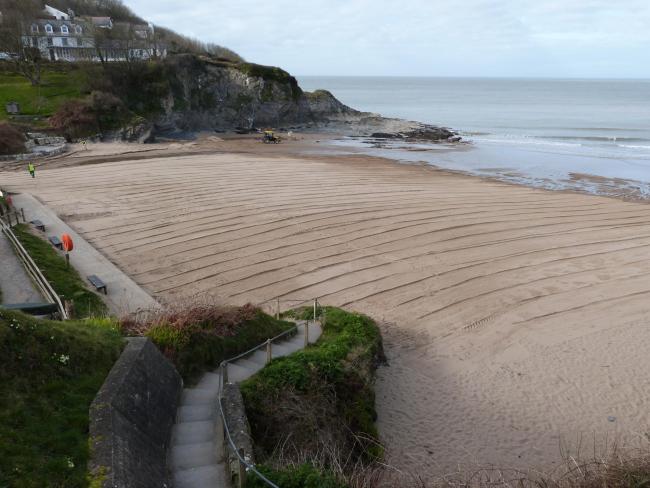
{"type": "Point", "coordinates": [219, 95]}
{"type": "Point", "coordinates": [203, 93]}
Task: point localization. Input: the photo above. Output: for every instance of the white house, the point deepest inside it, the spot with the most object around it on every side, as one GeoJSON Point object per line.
{"type": "Point", "coordinates": [57, 14]}
{"type": "Point", "coordinates": [61, 36]}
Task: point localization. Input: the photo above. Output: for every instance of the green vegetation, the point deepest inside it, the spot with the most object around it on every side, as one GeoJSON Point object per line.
{"type": "Point", "coordinates": [65, 281]}
{"type": "Point", "coordinates": [318, 403]}
{"type": "Point", "coordinates": [301, 476]}
{"type": "Point", "coordinates": [271, 74]}
{"type": "Point", "coordinates": [59, 84]}
{"type": "Point", "coordinates": [198, 338]}
{"type": "Point", "coordinates": [50, 373]}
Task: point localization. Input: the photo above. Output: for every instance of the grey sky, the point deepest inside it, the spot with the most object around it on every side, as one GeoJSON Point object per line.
{"type": "Point", "coordinates": [558, 38]}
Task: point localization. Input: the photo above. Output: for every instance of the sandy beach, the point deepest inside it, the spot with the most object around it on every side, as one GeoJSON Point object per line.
{"type": "Point", "coordinates": [515, 319]}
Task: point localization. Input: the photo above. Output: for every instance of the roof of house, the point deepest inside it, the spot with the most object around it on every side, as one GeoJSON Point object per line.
{"type": "Point", "coordinates": [102, 21]}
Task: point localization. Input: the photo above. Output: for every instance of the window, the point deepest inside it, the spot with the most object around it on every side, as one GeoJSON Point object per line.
{"type": "Point", "coordinates": [78, 29]}
{"type": "Point", "coordinates": [64, 29]}
{"type": "Point", "coordinates": [49, 41]}
{"type": "Point", "coordinates": [34, 41]}
{"type": "Point", "coordinates": [49, 29]}
{"type": "Point", "coordinates": [34, 28]}
{"type": "Point", "coordinates": [64, 41]}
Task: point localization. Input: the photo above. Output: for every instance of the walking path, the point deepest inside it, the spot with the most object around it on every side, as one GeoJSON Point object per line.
{"type": "Point", "coordinates": [124, 295]}
{"type": "Point", "coordinates": [15, 284]}
{"type": "Point", "coordinates": [197, 457]}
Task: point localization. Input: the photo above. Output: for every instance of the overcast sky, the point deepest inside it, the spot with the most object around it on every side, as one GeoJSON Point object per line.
{"type": "Point", "coordinates": [549, 38]}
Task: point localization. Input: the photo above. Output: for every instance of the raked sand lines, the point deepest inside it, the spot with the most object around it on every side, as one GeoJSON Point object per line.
{"type": "Point", "coordinates": [514, 318]}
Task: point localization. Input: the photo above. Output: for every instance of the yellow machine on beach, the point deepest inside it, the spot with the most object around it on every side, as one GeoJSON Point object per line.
{"type": "Point", "coordinates": [269, 137]}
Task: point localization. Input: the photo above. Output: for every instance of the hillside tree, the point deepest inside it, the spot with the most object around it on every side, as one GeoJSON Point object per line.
{"type": "Point", "coordinates": [17, 16]}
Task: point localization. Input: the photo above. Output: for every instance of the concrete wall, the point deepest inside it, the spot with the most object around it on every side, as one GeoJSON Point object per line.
{"type": "Point", "coordinates": [235, 414]}
{"type": "Point", "coordinates": [131, 419]}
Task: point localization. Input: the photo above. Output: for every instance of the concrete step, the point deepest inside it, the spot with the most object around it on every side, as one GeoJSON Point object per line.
{"type": "Point", "coordinates": [210, 381]}
{"type": "Point", "coordinates": [203, 477]}
{"type": "Point", "coordinates": [193, 456]}
{"type": "Point", "coordinates": [250, 365]}
{"type": "Point", "coordinates": [193, 432]}
{"type": "Point", "coordinates": [238, 373]}
{"type": "Point", "coordinates": [198, 396]}
{"type": "Point", "coordinates": [295, 345]}
{"type": "Point", "coordinates": [258, 357]}
{"type": "Point", "coordinates": [197, 450]}
{"type": "Point", "coordinates": [196, 412]}
{"type": "Point", "coordinates": [280, 350]}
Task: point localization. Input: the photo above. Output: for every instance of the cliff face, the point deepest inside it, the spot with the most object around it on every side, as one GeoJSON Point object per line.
{"type": "Point", "coordinates": [207, 94]}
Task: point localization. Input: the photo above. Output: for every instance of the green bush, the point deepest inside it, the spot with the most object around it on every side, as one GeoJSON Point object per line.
{"type": "Point", "coordinates": [50, 373]}
{"type": "Point", "coordinates": [198, 338]}
{"type": "Point", "coordinates": [302, 476]}
{"type": "Point", "coordinates": [322, 392]}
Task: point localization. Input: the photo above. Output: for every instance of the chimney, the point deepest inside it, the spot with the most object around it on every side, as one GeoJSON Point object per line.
{"type": "Point", "coordinates": [71, 13]}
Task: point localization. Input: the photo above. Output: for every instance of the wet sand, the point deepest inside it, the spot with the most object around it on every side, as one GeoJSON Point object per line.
{"type": "Point", "coordinates": [515, 319]}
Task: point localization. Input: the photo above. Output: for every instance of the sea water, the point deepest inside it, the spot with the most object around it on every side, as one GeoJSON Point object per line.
{"type": "Point", "coordinates": [543, 132]}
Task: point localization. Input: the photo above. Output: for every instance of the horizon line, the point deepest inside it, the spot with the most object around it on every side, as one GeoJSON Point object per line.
{"type": "Point", "coordinates": [484, 77]}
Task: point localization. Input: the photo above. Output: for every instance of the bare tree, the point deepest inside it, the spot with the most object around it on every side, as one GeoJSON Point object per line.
{"type": "Point", "coordinates": [17, 16]}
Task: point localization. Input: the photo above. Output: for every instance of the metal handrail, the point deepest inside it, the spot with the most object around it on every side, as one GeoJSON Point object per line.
{"type": "Point", "coordinates": [224, 364]}
{"type": "Point", "coordinates": [242, 460]}
{"type": "Point", "coordinates": [33, 270]}
{"type": "Point", "coordinates": [259, 346]}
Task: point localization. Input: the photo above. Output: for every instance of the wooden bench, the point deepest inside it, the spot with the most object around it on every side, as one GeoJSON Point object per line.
{"type": "Point", "coordinates": [98, 283]}
{"type": "Point", "coordinates": [56, 242]}
{"type": "Point", "coordinates": [39, 225]}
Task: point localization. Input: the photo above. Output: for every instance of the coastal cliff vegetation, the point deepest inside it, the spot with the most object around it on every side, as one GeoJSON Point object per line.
{"type": "Point", "coordinates": [312, 413]}
{"type": "Point", "coordinates": [50, 373]}
{"type": "Point", "coordinates": [198, 337]}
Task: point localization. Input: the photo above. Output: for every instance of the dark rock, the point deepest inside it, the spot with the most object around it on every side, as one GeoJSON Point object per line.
{"type": "Point", "coordinates": [386, 135]}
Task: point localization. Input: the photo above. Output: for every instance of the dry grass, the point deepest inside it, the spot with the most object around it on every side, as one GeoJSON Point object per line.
{"type": "Point", "coordinates": [196, 336]}
{"type": "Point", "coordinates": [215, 320]}
{"type": "Point", "coordinates": [618, 468]}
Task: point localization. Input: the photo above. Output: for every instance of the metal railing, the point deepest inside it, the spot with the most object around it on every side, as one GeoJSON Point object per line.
{"type": "Point", "coordinates": [245, 466]}
{"type": "Point", "coordinates": [31, 268]}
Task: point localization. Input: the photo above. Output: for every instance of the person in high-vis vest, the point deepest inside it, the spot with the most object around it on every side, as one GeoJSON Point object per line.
{"type": "Point", "coordinates": [31, 169]}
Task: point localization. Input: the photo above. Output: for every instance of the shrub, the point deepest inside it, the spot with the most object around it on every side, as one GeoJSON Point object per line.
{"type": "Point", "coordinates": [199, 337]}
{"type": "Point", "coordinates": [319, 402]}
{"type": "Point", "coordinates": [301, 476]}
{"type": "Point", "coordinates": [75, 118]}
{"type": "Point", "coordinates": [12, 141]}
{"type": "Point", "coordinates": [108, 109]}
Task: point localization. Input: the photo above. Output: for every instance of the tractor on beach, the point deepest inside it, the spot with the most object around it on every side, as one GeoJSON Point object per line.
{"type": "Point", "coordinates": [269, 137]}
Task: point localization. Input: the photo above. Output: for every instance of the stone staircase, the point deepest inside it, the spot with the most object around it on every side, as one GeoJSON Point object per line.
{"type": "Point", "coordinates": [197, 453]}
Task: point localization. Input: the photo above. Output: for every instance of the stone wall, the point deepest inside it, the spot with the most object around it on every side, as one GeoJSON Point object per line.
{"type": "Point", "coordinates": [131, 419]}
{"type": "Point", "coordinates": [235, 414]}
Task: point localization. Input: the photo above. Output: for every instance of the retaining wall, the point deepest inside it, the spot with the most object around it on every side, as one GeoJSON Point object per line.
{"type": "Point", "coordinates": [235, 414]}
{"type": "Point", "coordinates": [131, 419]}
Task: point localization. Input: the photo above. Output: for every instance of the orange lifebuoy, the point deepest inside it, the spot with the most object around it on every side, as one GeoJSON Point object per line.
{"type": "Point", "coordinates": [67, 242]}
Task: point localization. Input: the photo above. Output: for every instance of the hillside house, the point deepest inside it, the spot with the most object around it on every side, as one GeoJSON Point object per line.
{"type": "Point", "coordinates": [61, 36]}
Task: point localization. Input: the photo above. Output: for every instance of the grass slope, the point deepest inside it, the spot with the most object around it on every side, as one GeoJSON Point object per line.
{"type": "Point", "coordinates": [57, 86]}
{"type": "Point", "coordinates": [318, 403]}
{"type": "Point", "coordinates": [65, 281]}
{"type": "Point", "coordinates": [50, 373]}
